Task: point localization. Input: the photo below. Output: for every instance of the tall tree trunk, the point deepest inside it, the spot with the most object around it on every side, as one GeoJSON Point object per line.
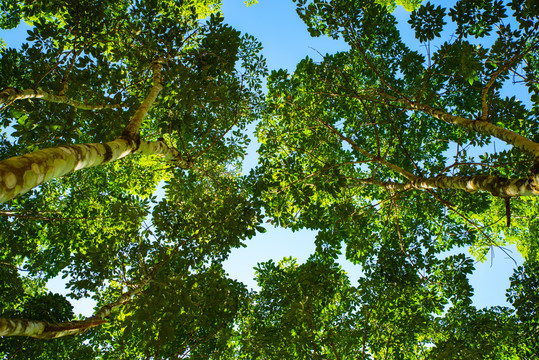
{"type": "Point", "coordinates": [19, 174]}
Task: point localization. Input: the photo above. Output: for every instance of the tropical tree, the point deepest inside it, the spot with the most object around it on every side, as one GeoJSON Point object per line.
{"type": "Point", "coordinates": [523, 294]}
{"type": "Point", "coordinates": [114, 54]}
{"type": "Point", "coordinates": [311, 311]}
{"type": "Point", "coordinates": [399, 157]}
{"type": "Point", "coordinates": [107, 81]}
{"type": "Point", "coordinates": [377, 148]}
{"type": "Point", "coordinates": [382, 141]}
{"type": "Point", "coordinates": [302, 311]}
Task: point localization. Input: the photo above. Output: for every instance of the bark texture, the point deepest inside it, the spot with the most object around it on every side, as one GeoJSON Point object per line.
{"type": "Point", "coordinates": [495, 185]}
{"type": "Point", "coordinates": [20, 174]}
{"type": "Point", "coordinates": [10, 95]}
{"type": "Point", "coordinates": [21, 327]}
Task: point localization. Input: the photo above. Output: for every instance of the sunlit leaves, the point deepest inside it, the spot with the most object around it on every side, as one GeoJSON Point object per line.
{"type": "Point", "coordinates": [469, 332]}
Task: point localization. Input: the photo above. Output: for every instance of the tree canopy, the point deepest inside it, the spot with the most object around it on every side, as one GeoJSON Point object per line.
{"type": "Point", "coordinates": [124, 131]}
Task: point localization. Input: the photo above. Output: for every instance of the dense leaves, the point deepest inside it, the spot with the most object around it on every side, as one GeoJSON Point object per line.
{"type": "Point", "coordinates": [348, 142]}
{"type": "Point", "coordinates": [354, 136]}
{"type": "Point", "coordinates": [95, 227]}
{"type": "Point", "coordinates": [399, 158]}
{"type": "Point", "coordinates": [312, 311]}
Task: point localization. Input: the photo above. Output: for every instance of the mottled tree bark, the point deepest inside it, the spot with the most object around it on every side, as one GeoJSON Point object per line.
{"type": "Point", "coordinates": [132, 128]}
{"type": "Point", "coordinates": [10, 95]}
{"type": "Point", "coordinates": [22, 173]}
{"type": "Point", "coordinates": [45, 330]}
{"type": "Point", "coordinates": [495, 185]}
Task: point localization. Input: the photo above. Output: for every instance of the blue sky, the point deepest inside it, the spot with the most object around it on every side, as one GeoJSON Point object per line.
{"type": "Point", "coordinates": [286, 41]}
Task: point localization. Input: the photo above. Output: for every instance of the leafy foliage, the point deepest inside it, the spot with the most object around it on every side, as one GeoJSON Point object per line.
{"type": "Point", "coordinates": [311, 310]}
{"type": "Point", "coordinates": [346, 141]}
{"type": "Point", "coordinates": [95, 227]}
{"type": "Point", "coordinates": [391, 154]}
{"type": "Point", "coordinates": [427, 21]}
{"type": "Point", "coordinates": [23, 297]}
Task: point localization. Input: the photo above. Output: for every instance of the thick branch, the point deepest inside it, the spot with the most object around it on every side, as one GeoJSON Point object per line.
{"type": "Point", "coordinates": [132, 128]}
{"type": "Point", "coordinates": [44, 330]}
{"type": "Point", "coordinates": [495, 185]}
{"type": "Point", "coordinates": [480, 126]}
{"type": "Point", "coordinates": [19, 174]}
{"type": "Point", "coordinates": [10, 95]}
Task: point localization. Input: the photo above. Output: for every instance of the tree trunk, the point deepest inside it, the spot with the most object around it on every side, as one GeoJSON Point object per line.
{"type": "Point", "coordinates": [19, 174]}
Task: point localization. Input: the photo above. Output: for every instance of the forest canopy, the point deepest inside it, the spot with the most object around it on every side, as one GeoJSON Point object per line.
{"type": "Point", "coordinates": [124, 133]}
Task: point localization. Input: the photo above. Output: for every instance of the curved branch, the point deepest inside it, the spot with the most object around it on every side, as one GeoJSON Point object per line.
{"type": "Point", "coordinates": [9, 95]}
{"type": "Point", "coordinates": [45, 330]}
{"type": "Point", "coordinates": [478, 125]}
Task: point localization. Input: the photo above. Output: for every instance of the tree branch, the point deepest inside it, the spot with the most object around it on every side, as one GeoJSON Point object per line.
{"type": "Point", "coordinates": [10, 95]}
{"type": "Point", "coordinates": [45, 330]}
{"type": "Point", "coordinates": [20, 174]}
{"type": "Point", "coordinates": [131, 130]}
{"type": "Point", "coordinates": [365, 153]}
{"type": "Point", "coordinates": [495, 185]}
{"type": "Point", "coordinates": [478, 125]}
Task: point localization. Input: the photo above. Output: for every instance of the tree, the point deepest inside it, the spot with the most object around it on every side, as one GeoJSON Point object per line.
{"type": "Point", "coordinates": [523, 294]}
{"type": "Point", "coordinates": [311, 311]}
{"type": "Point", "coordinates": [356, 147]}
{"type": "Point", "coordinates": [186, 50]}
{"type": "Point", "coordinates": [107, 81]}
{"type": "Point", "coordinates": [399, 157]}
{"type": "Point", "coordinates": [380, 141]}
{"type": "Point", "coordinates": [302, 311]}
